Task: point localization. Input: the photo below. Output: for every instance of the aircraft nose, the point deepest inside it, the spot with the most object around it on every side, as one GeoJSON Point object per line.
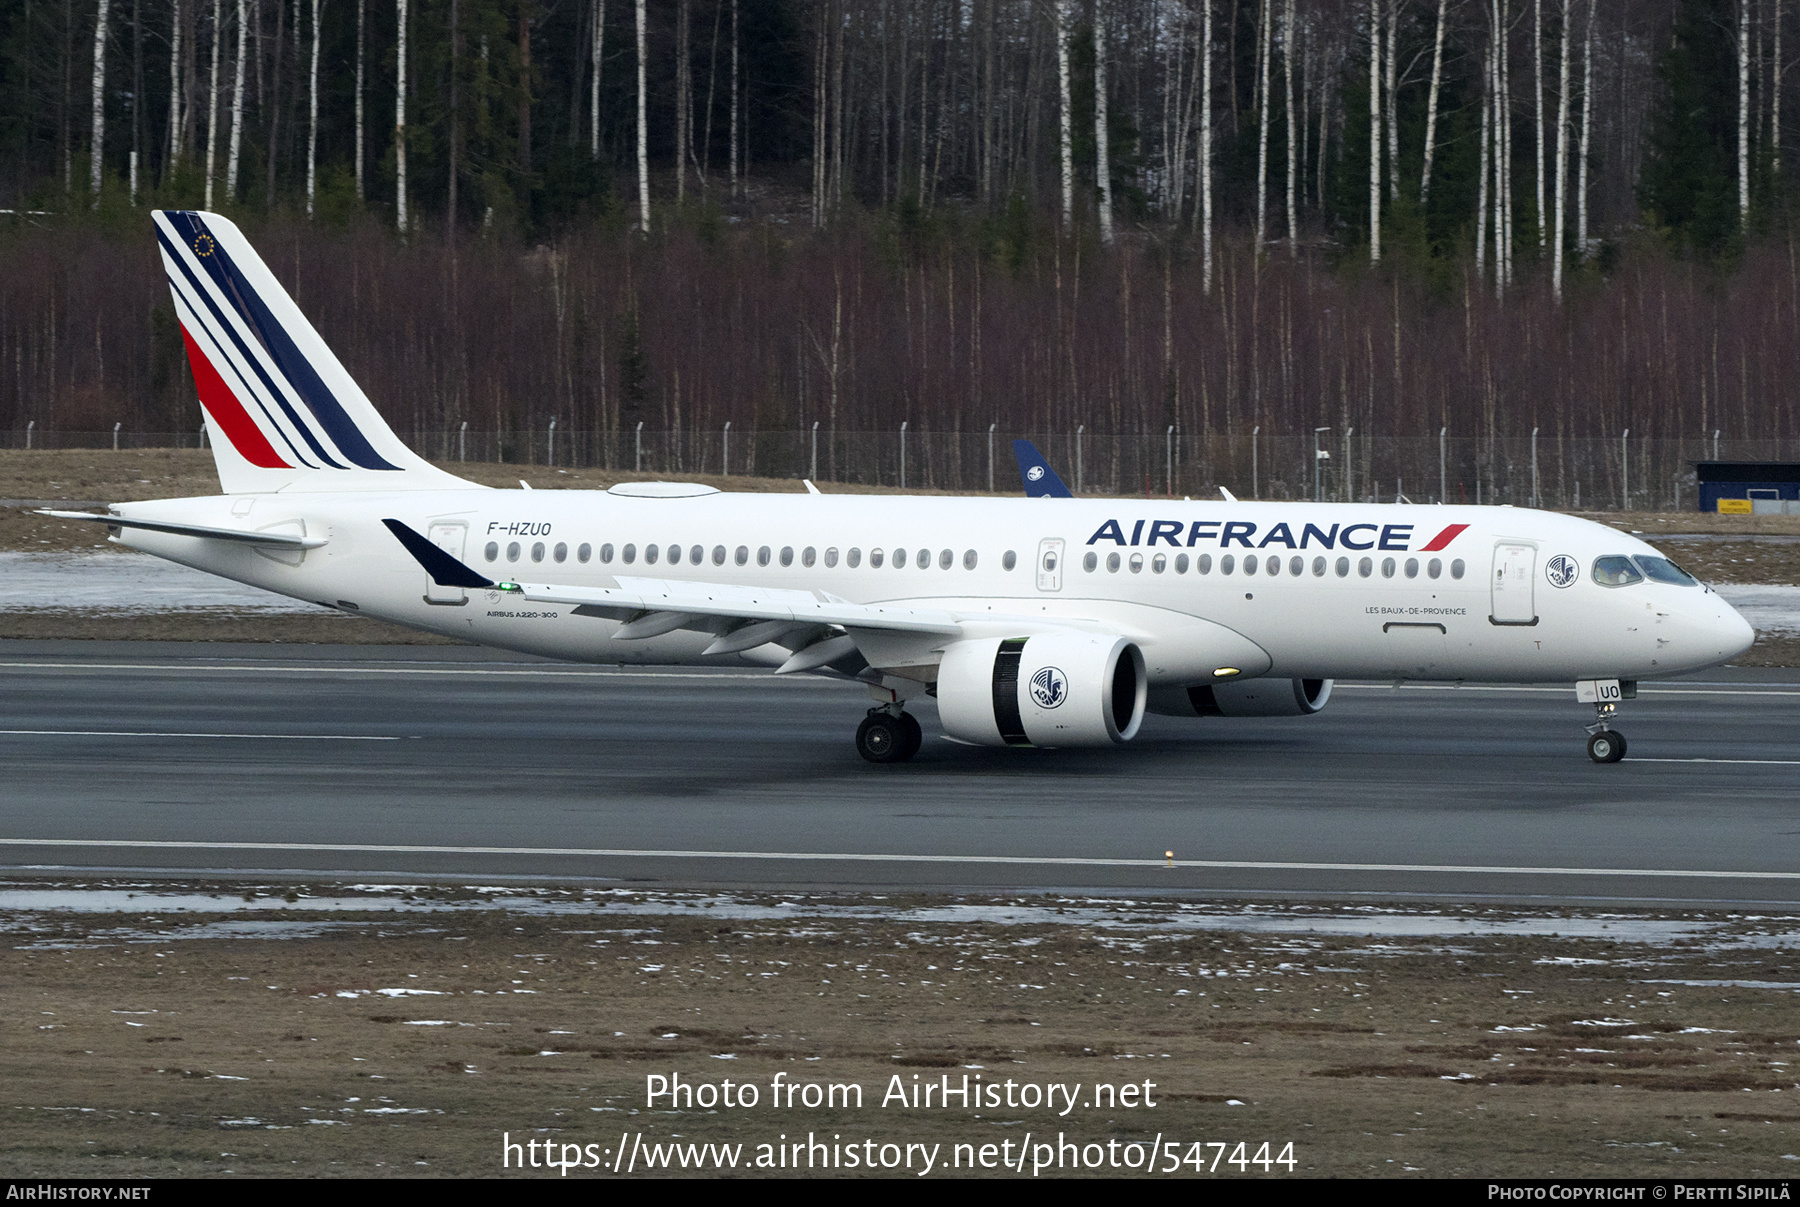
{"type": "Point", "coordinates": [1733, 633]}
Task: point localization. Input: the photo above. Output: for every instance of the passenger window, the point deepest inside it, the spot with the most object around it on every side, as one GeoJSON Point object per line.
{"type": "Point", "coordinates": [628, 554]}
{"type": "Point", "coordinates": [1456, 568]}
{"type": "Point", "coordinates": [946, 559]}
{"type": "Point", "coordinates": [492, 551]}
{"type": "Point", "coordinates": [923, 559]}
{"type": "Point", "coordinates": [1616, 572]}
{"type": "Point", "coordinates": [1181, 563]}
{"type": "Point", "coordinates": [561, 552]}
{"type": "Point", "coordinates": [696, 554]}
{"type": "Point", "coordinates": [831, 557]}
{"type": "Point", "coordinates": [762, 556]}
{"type": "Point", "coordinates": [674, 555]}
{"type": "Point", "coordinates": [1009, 560]}
{"type": "Point", "coordinates": [1434, 567]}
{"type": "Point", "coordinates": [1137, 563]}
{"type": "Point", "coordinates": [742, 556]}
{"type": "Point", "coordinates": [1112, 563]}
{"type": "Point", "coordinates": [787, 555]}
{"type": "Point", "coordinates": [1343, 567]}
{"type": "Point", "coordinates": [1227, 563]}
{"type": "Point", "coordinates": [584, 553]}
{"type": "Point", "coordinates": [651, 553]}
{"type": "Point", "coordinates": [1318, 567]}
{"type": "Point", "coordinates": [1387, 567]}
{"type": "Point", "coordinates": [1088, 563]}
{"type": "Point", "coordinates": [1662, 570]}
{"type": "Point", "coordinates": [718, 555]}
{"type": "Point", "coordinates": [606, 552]}
{"type": "Point", "coordinates": [1296, 566]}
{"type": "Point", "coordinates": [808, 556]}
{"type": "Point", "coordinates": [968, 559]}
{"type": "Point", "coordinates": [1272, 566]}
{"type": "Point", "coordinates": [876, 557]}
{"type": "Point", "coordinates": [1159, 563]}
{"type": "Point", "coordinates": [1203, 564]}
{"type": "Point", "coordinates": [1250, 566]}
{"type": "Point", "coordinates": [853, 559]}
{"type": "Point", "coordinates": [537, 551]}
{"type": "Point", "coordinates": [1365, 567]}
{"type": "Point", "coordinates": [512, 552]}
{"type": "Point", "coordinates": [1412, 567]}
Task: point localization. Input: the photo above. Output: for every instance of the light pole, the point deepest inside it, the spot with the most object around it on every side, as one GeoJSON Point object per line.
{"type": "Point", "coordinates": [638, 465]}
{"type": "Point", "coordinates": [1534, 471]}
{"type": "Point", "coordinates": [462, 441]}
{"type": "Point", "coordinates": [1079, 429]}
{"type": "Point", "coordinates": [815, 451]}
{"type": "Point", "coordinates": [1169, 461]}
{"type": "Point", "coordinates": [991, 428]}
{"type": "Point", "coordinates": [1443, 467]}
{"type": "Point", "coordinates": [550, 449]}
{"type": "Point", "coordinates": [1254, 433]}
{"type": "Point", "coordinates": [903, 454]}
{"type": "Point", "coordinates": [1625, 470]}
{"type": "Point", "coordinates": [725, 451]}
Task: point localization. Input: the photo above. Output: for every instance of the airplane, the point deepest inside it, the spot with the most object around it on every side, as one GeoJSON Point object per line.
{"type": "Point", "coordinates": [1030, 626]}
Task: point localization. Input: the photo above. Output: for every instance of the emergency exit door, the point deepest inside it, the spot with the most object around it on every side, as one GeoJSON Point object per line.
{"type": "Point", "coordinates": [449, 537]}
{"type": "Point", "coordinates": [1513, 581]}
{"type": "Point", "coordinates": [1050, 564]}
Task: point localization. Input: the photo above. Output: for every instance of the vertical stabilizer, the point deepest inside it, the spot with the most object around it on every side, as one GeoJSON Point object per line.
{"type": "Point", "coordinates": [282, 411]}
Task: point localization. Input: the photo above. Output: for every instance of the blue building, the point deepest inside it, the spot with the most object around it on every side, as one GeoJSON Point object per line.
{"type": "Point", "coordinates": [1768, 486]}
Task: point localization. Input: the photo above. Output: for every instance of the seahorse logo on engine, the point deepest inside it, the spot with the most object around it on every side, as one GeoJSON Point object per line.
{"type": "Point", "coordinates": [1049, 687]}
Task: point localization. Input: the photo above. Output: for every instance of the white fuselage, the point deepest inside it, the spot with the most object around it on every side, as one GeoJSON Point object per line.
{"type": "Point", "coordinates": [1339, 590]}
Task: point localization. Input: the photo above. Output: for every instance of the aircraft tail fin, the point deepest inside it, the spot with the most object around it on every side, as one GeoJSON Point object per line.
{"type": "Point", "coordinates": [282, 411]}
{"type": "Point", "coordinates": [1040, 480]}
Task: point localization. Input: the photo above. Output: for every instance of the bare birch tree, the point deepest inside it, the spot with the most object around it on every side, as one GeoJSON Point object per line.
{"type": "Point", "coordinates": [1537, 89]}
{"type": "Point", "coordinates": [400, 117]}
{"type": "Point", "coordinates": [1206, 132]}
{"type": "Point", "coordinates": [1102, 155]}
{"type": "Point", "coordinates": [596, 49]}
{"type": "Point", "coordinates": [1481, 187]}
{"type": "Point", "coordinates": [237, 106]}
{"type": "Point", "coordinates": [1562, 156]}
{"type": "Point", "coordinates": [1587, 125]}
{"type": "Point", "coordinates": [1287, 71]}
{"type": "Point", "coordinates": [97, 141]}
{"type": "Point", "coordinates": [1775, 98]}
{"type": "Point", "coordinates": [360, 156]}
{"type": "Point", "coordinates": [312, 112]}
{"type": "Point", "coordinates": [1743, 131]}
{"type": "Point", "coordinates": [1392, 116]}
{"type": "Point", "coordinates": [1265, 34]}
{"type": "Point", "coordinates": [1066, 140]}
{"type": "Point", "coordinates": [643, 128]}
{"type": "Point", "coordinates": [212, 104]}
{"type": "Point", "coordinates": [175, 110]}
{"type": "Point", "coordinates": [1431, 105]}
{"type": "Point", "coordinates": [1374, 131]}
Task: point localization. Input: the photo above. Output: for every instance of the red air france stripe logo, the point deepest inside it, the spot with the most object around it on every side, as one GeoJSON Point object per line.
{"type": "Point", "coordinates": [228, 412]}
{"type": "Point", "coordinates": [1444, 538]}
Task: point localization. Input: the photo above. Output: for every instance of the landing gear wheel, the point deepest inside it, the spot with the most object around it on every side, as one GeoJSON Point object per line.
{"type": "Point", "coordinates": [1607, 746]}
{"type": "Point", "coordinates": [885, 738]}
{"type": "Point", "coordinates": [915, 737]}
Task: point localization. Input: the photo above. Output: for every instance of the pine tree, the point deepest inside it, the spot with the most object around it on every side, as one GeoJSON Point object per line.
{"type": "Point", "coordinates": [1689, 180]}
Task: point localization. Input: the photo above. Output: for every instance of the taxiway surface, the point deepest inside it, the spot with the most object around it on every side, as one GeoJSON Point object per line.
{"type": "Point", "coordinates": [386, 761]}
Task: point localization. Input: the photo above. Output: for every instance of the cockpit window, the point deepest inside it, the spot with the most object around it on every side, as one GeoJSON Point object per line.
{"type": "Point", "coordinates": [1662, 570]}
{"type": "Point", "coordinates": [1616, 572]}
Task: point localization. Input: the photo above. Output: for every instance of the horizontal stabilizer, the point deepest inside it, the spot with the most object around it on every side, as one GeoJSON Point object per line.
{"type": "Point", "coordinates": [445, 570]}
{"type": "Point", "coordinates": [283, 540]}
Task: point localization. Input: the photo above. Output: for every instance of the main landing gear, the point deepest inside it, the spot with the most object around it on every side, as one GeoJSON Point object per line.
{"type": "Point", "coordinates": [889, 734]}
{"type": "Point", "coordinates": [1605, 745]}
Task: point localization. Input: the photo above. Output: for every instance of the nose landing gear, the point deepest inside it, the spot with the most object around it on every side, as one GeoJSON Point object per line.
{"type": "Point", "coordinates": [889, 734]}
{"type": "Point", "coordinates": [1605, 745]}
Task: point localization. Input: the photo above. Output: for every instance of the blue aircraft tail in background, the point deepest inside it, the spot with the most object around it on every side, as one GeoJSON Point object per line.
{"type": "Point", "coordinates": [1040, 480]}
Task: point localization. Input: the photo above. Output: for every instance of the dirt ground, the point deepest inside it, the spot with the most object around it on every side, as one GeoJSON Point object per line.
{"type": "Point", "coordinates": [294, 1041]}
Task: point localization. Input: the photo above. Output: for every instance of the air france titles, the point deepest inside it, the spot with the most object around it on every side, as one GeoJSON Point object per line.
{"type": "Point", "coordinates": [1392, 538]}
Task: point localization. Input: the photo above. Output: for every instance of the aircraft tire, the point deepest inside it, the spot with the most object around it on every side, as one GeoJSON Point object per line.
{"type": "Point", "coordinates": [882, 738]}
{"type": "Point", "coordinates": [1607, 746]}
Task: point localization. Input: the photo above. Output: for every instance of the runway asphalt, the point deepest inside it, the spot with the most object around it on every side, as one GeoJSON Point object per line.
{"type": "Point", "coordinates": [386, 762]}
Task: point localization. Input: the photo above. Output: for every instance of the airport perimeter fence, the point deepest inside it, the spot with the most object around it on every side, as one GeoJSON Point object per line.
{"type": "Point", "coordinates": [1614, 473]}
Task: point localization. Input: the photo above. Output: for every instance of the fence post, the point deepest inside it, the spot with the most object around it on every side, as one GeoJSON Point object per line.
{"type": "Point", "coordinates": [991, 428]}
{"type": "Point", "coordinates": [462, 442]}
{"type": "Point", "coordinates": [1349, 484]}
{"type": "Point", "coordinates": [1255, 434]}
{"type": "Point", "coordinates": [1079, 429]}
{"type": "Point", "coordinates": [28, 430]}
{"type": "Point", "coordinates": [815, 451]}
{"type": "Point", "coordinates": [1443, 468]}
{"type": "Point", "coordinates": [1625, 471]}
{"type": "Point", "coordinates": [725, 452]}
{"type": "Point", "coordinates": [1715, 444]}
{"type": "Point", "coordinates": [1169, 460]}
{"type": "Point", "coordinates": [638, 463]}
{"type": "Point", "coordinates": [116, 426]}
{"type": "Point", "coordinates": [1319, 455]}
{"type": "Point", "coordinates": [903, 454]}
{"type": "Point", "coordinates": [550, 448]}
{"type": "Point", "coordinates": [1534, 474]}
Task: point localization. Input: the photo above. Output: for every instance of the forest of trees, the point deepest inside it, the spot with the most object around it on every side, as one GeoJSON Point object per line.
{"type": "Point", "coordinates": [1181, 226]}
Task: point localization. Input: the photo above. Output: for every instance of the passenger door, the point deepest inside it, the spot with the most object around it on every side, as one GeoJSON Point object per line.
{"type": "Point", "coordinates": [449, 536]}
{"type": "Point", "coordinates": [1050, 564]}
{"type": "Point", "coordinates": [1514, 577]}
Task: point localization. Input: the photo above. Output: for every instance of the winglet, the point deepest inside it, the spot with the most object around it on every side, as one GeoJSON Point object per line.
{"type": "Point", "coordinates": [1040, 480]}
{"type": "Point", "coordinates": [810, 488]}
{"type": "Point", "coordinates": [445, 570]}
{"type": "Point", "coordinates": [1229, 497]}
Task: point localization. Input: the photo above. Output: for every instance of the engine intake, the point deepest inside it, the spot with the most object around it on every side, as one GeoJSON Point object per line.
{"type": "Point", "coordinates": [1250, 698]}
{"type": "Point", "coordinates": [1054, 689]}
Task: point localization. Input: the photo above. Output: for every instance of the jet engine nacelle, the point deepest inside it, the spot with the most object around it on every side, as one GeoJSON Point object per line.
{"type": "Point", "coordinates": [1058, 689]}
{"type": "Point", "coordinates": [1250, 698]}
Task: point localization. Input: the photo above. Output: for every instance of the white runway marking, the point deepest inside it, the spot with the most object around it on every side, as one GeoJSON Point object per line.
{"type": "Point", "coordinates": [1023, 860]}
{"type": "Point", "coordinates": [133, 733]}
{"type": "Point", "coordinates": [541, 672]}
{"type": "Point", "coordinates": [1643, 690]}
{"type": "Point", "coordinates": [1743, 762]}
